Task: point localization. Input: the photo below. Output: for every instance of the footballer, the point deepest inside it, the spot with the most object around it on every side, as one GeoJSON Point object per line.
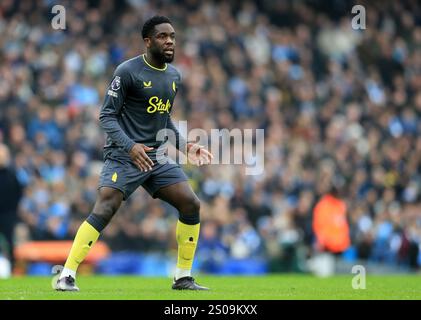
{"type": "Point", "coordinates": [137, 105]}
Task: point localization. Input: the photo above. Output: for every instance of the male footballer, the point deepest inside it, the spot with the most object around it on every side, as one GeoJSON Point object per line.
{"type": "Point", "coordinates": [137, 105]}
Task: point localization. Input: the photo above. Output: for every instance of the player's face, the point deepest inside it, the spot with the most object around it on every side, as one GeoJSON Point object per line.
{"type": "Point", "coordinates": [162, 43]}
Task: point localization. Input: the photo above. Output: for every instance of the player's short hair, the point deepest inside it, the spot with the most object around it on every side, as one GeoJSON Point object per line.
{"type": "Point", "coordinates": [150, 24]}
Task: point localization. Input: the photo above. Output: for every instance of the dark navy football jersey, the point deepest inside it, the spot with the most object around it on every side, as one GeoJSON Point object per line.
{"type": "Point", "coordinates": [137, 105]}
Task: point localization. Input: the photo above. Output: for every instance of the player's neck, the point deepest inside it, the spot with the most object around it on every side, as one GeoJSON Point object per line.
{"type": "Point", "coordinates": [150, 59]}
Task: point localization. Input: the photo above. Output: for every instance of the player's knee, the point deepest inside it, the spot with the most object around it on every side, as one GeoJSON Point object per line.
{"type": "Point", "coordinates": [190, 212]}
{"type": "Point", "coordinates": [102, 214]}
{"type": "Point", "coordinates": [107, 209]}
{"type": "Point", "coordinates": [107, 204]}
{"type": "Point", "coordinates": [191, 206]}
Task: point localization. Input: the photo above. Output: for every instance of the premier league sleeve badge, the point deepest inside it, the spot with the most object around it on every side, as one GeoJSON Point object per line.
{"type": "Point", "coordinates": [115, 85]}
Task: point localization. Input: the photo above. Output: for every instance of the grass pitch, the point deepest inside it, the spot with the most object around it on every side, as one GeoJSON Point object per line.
{"type": "Point", "coordinates": [268, 287]}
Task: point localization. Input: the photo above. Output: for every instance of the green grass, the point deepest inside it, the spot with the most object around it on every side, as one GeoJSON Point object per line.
{"type": "Point", "coordinates": [270, 287]}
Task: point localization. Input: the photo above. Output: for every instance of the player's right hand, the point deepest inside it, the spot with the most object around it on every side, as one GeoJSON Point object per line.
{"type": "Point", "coordinates": [140, 158]}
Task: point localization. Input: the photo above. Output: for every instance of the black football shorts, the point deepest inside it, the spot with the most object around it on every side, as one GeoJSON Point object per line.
{"type": "Point", "coordinates": [126, 177]}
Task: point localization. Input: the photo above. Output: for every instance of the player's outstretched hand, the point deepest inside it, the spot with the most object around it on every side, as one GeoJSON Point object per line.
{"type": "Point", "coordinates": [198, 155]}
{"type": "Point", "coordinates": [140, 158]}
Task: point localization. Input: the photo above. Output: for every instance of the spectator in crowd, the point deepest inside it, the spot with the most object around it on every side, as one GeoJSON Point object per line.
{"type": "Point", "coordinates": [10, 195]}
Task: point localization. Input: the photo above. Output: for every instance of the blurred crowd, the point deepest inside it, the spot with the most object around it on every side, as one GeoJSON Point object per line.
{"type": "Point", "coordinates": [339, 107]}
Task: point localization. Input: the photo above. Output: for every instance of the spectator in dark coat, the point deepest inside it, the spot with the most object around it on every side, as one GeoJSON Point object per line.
{"type": "Point", "coordinates": [10, 194]}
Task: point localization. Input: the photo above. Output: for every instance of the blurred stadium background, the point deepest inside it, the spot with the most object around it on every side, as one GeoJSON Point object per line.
{"type": "Point", "coordinates": [340, 108]}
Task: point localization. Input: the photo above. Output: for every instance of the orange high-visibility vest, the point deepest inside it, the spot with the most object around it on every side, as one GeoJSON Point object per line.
{"type": "Point", "coordinates": [330, 225]}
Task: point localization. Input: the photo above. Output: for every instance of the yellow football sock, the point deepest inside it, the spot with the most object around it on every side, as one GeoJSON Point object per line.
{"type": "Point", "coordinates": [187, 237]}
{"type": "Point", "coordinates": [85, 238]}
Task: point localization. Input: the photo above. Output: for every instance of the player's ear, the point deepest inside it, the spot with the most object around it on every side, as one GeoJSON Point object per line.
{"type": "Point", "coordinates": [147, 42]}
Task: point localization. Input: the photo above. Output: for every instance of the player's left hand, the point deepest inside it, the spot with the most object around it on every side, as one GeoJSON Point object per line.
{"type": "Point", "coordinates": [198, 155]}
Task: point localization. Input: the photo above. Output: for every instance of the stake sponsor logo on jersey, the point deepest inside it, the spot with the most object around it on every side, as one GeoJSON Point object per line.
{"type": "Point", "coordinates": [156, 104]}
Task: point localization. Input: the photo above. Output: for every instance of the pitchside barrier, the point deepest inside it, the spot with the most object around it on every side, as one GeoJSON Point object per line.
{"type": "Point", "coordinates": [35, 256]}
